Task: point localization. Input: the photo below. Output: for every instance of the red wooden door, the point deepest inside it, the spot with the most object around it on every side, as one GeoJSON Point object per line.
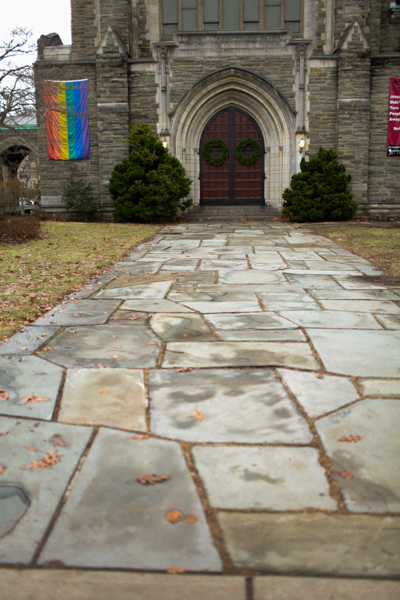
{"type": "Point", "coordinates": [232, 182]}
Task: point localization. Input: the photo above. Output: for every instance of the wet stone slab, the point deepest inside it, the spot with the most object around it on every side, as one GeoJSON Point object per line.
{"type": "Point", "coordinates": [331, 319]}
{"type": "Point", "coordinates": [263, 478]}
{"type": "Point", "coordinates": [358, 353]}
{"type": "Point", "coordinates": [132, 280]}
{"type": "Point", "coordinates": [249, 321]}
{"type": "Point", "coordinates": [214, 265]}
{"type": "Point", "coordinates": [111, 345]}
{"type": "Point", "coordinates": [28, 340]}
{"type": "Point", "coordinates": [28, 498]}
{"type": "Point", "coordinates": [239, 354]}
{"type": "Point", "coordinates": [249, 277]}
{"type": "Point", "coordinates": [111, 397]}
{"type": "Point", "coordinates": [155, 306]}
{"type": "Point", "coordinates": [272, 335]}
{"type": "Point", "coordinates": [288, 302]}
{"type": "Point", "coordinates": [79, 312]}
{"type": "Point", "coordinates": [129, 317]}
{"type": "Point", "coordinates": [385, 388]}
{"type": "Point", "coordinates": [373, 460]}
{"type": "Point", "coordinates": [249, 406]}
{"type": "Point", "coordinates": [313, 281]}
{"type": "Point", "coordinates": [313, 544]}
{"type": "Point", "coordinates": [25, 376]}
{"type": "Point", "coordinates": [370, 306]}
{"type": "Point", "coordinates": [139, 268]}
{"type": "Point", "coordinates": [157, 289]}
{"type": "Point", "coordinates": [224, 307]}
{"type": "Point", "coordinates": [319, 396]}
{"type": "Point", "coordinates": [133, 533]}
{"type": "Point", "coordinates": [176, 327]}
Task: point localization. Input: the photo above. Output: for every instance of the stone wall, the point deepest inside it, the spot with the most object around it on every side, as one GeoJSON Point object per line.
{"type": "Point", "coordinates": [384, 171]}
{"type": "Point", "coordinates": [322, 104]}
{"type": "Point", "coordinates": [143, 93]}
{"type": "Point", "coordinates": [390, 29]}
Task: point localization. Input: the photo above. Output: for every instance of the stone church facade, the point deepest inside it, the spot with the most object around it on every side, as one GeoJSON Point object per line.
{"type": "Point", "coordinates": [287, 71]}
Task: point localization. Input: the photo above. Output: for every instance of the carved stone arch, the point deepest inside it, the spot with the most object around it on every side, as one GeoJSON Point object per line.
{"type": "Point", "coordinates": [17, 140]}
{"type": "Point", "coordinates": [254, 95]}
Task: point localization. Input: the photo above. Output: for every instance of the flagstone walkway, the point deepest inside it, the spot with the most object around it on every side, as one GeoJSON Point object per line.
{"type": "Point", "coordinates": [252, 371]}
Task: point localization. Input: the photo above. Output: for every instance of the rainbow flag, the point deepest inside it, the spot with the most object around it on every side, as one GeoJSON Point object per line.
{"type": "Point", "coordinates": [67, 119]}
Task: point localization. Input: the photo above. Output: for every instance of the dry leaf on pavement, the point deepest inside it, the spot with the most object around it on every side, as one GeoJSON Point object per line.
{"type": "Point", "coordinates": [57, 440]}
{"type": "Point", "coordinates": [103, 390]}
{"type": "Point", "coordinates": [100, 366]}
{"type": "Point", "coordinates": [173, 516]}
{"type": "Point", "coordinates": [4, 395]}
{"type": "Point", "coordinates": [184, 369]}
{"type": "Point", "coordinates": [2, 469]}
{"type": "Point", "coordinates": [151, 344]}
{"type": "Point", "coordinates": [133, 318]}
{"type": "Point", "coordinates": [47, 461]}
{"type": "Point", "coordinates": [345, 474]}
{"type": "Point", "coordinates": [152, 479]}
{"type": "Point", "coordinates": [191, 519]}
{"type": "Point", "coordinates": [31, 448]}
{"type": "Point", "coordinates": [319, 376]}
{"type": "Point", "coordinates": [197, 415]}
{"type": "Point", "coordinates": [31, 399]}
{"type": "Point", "coordinates": [350, 438]}
{"type": "Point", "coordinates": [140, 437]}
{"type": "Point", "coordinates": [4, 432]}
{"type": "Point", "coordinates": [174, 570]}
{"type": "Point", "coordinates": [115, 356]}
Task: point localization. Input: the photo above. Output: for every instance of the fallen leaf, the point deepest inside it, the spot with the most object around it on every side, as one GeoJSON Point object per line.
{"type": "Point", "coordinates": [115, 356]}
{"type": "Point", "coordinates": [140, 437]}
{"type": "Point", "coordinates": [4, 432]}
{"type": "Point", "coordinates": [117, 347]}
{"type": "Point", "coordinates": [103, 390]}
{"type": "Point", "coordinates": [133, 318]}
{"type": "Point", "coordinates": [191, 519]}
{"type": "Point", "coordinates": [57, 440]}
{"type": "Point", "coordinates": [319, 376]}
{"type": "Point", "coordinates": [350, 438]}
{"type": "Point", "coordinates": [113, 336]}
{"type": "Point", "coordinates": [197, 415]}
{"type": "Point", "coordinates": [100, 366]}
{"type": "Point", "coordinates": [150, 314]}
{"type": "Point", "coordinates": [175, 570]}
{"type": "Point", "coordinates": [173, 516]}
{"type": "Point", "coordinates": [345, 474]}
{"type": "Point", "coordinates": [31, 399]}
{"type": "Point", "coordinates": [72, 330]}
{"type": "Point", "coordinates": [2, 469]}
{"type": "Point", "coordinates": [151, 344]}
{"type": "Point", "coordinates": [152, 479]}
{"type": "Point", "coordinates": [47, 461]}
{"type": "Point", "coordinates": [4, 395]}
{"type": "Point", "coordinates": [183, 369]}
{"type": "Point", "coordinates": [25, 348]}
{"type": "Point", "coordinates": [185, 335]}
{"type": "Point", "coordinates": [31, 448]}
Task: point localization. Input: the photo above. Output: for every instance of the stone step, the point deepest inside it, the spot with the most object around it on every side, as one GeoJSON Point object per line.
{"type": "Point", "coordinates": [200, 213]}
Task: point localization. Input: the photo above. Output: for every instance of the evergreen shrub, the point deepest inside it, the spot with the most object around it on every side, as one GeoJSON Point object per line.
{"type": "Point", "coordinates": [151, 184]}
{"type": "Point", "coordinates": [320, 191]}
{"type": "Point", "coordinates": [77, 196]}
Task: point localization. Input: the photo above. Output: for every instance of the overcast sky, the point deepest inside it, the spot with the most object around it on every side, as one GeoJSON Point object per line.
{"type": "Point", "coordinates": [41, 16]}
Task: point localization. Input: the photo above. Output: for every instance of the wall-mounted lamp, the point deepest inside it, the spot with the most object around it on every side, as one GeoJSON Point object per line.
{"type": "Point", "coordinates": [165, 138]}
{"type": "Point", "coordinates": [301, 145]}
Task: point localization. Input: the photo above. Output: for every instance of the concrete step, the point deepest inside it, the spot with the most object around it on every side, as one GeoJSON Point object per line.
{"type": "Point", "coordinates": [218, 213]}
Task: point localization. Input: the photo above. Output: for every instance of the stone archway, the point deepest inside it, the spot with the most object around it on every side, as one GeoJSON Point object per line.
{"type": "Point", "coordinates": [255, 96]}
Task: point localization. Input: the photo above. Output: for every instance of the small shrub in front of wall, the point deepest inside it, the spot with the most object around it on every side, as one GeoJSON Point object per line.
{"type": "Point", "coordinates": [320, 191]}
{"type": "Point", "coordinates": [151, 184]}
{"type": "Point", "coordinates": [77, 196]}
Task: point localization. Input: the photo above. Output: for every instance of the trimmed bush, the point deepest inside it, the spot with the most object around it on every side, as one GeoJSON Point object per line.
{"type": "Point", "coordinates": [151, 184]}
{"type": "Point", "coordinates": [77, 196]}
{"type": "Point", "coordinates": [19, 228]}
{"type": "Point", "coordinates": [320, 191]}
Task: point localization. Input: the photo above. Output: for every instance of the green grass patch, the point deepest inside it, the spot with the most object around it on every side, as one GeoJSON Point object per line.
{"type": "Point", "coordinates": [379, 244]}
{"type": "Point", "coordinates": [37, 274]}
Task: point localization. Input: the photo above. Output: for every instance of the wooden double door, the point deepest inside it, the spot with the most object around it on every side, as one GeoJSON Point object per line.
{"type": "Point", "coordinates": [232, 183]}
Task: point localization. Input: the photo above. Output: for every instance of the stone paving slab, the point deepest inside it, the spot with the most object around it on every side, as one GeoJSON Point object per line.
{"type": "Point", "coordinates": [313, 544]}
{"type": "Point", "coordinates": [224, 307]}
{"type": "Point", "coordinates": [280, 479]}
{"type": "Point", "coordinates": [79, 312]}
{"type": "Point", "coordinates": [260, 335]}
{"type": "Point", "coordinates": [242, 406]}
{"type": "Point", "coordinates": [110, 518]}
{"type": "Point", "coordinates": [263, 320]}
{"type": "Point", "coordinates": [370, 306]}
{"type": "Point", "coordinates": [74, 584]}
{"type": "Point", "coordinates": [155, 306]}
{"type": "Point", "coordinates": [359, 353]}
{"type": "Point", "coordinates": [157, 289]}
{"type": "Point", "coordinates": [28, 340]}
{"type": "Point", "coordinates": [29, 498]}
{"type": "Point", "coordinates": [319, 395]}
{"type": "Point", "coordinates": [339, 294]}
{"type": "Point", "coordinates": [239, 354]}
{"type": "Point", "coordinates": [22, 377]}
{"type": "Point", "coordinates": [111, 397]}
{"type": "Point", "coordinates": [331, 319]}
{"type": "Point", "coordinates": [176, 327]}
{"type": "Point", "coordinates": [109, 345]}
{"type": "Point", "coordinates": [373, 460]}
{"type": "Point", "coordinates": [389, 321]}
{"type": "Point", "coordinates": [248, 277]}
{"type": "Point", "coordinates": [385, 388]}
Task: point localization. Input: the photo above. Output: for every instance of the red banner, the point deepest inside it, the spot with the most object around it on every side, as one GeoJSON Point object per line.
{"type": "Point", "coordinates": [394, 117]}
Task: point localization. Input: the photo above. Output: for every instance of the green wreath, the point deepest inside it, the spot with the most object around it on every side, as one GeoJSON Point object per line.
{"type": "Point", "coordinates": [253, 158]}
{"type": "Point", "coordinates": [216, 143]}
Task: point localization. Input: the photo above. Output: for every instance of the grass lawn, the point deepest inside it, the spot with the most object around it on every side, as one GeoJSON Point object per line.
{"type": "Point", "coordinates": [378, 243]}
{"type": "Point", "coordinates": [36, 275]}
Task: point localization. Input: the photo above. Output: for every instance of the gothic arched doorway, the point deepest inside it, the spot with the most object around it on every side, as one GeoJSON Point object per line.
{"type": "Point", "coordinates": [232, 182]}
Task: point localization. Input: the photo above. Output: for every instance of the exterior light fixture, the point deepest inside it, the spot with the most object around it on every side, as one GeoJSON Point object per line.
{"type": "Point", "coordinates": [301, 145]}
{"type": "Point", "coordinates": [165, 138]}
